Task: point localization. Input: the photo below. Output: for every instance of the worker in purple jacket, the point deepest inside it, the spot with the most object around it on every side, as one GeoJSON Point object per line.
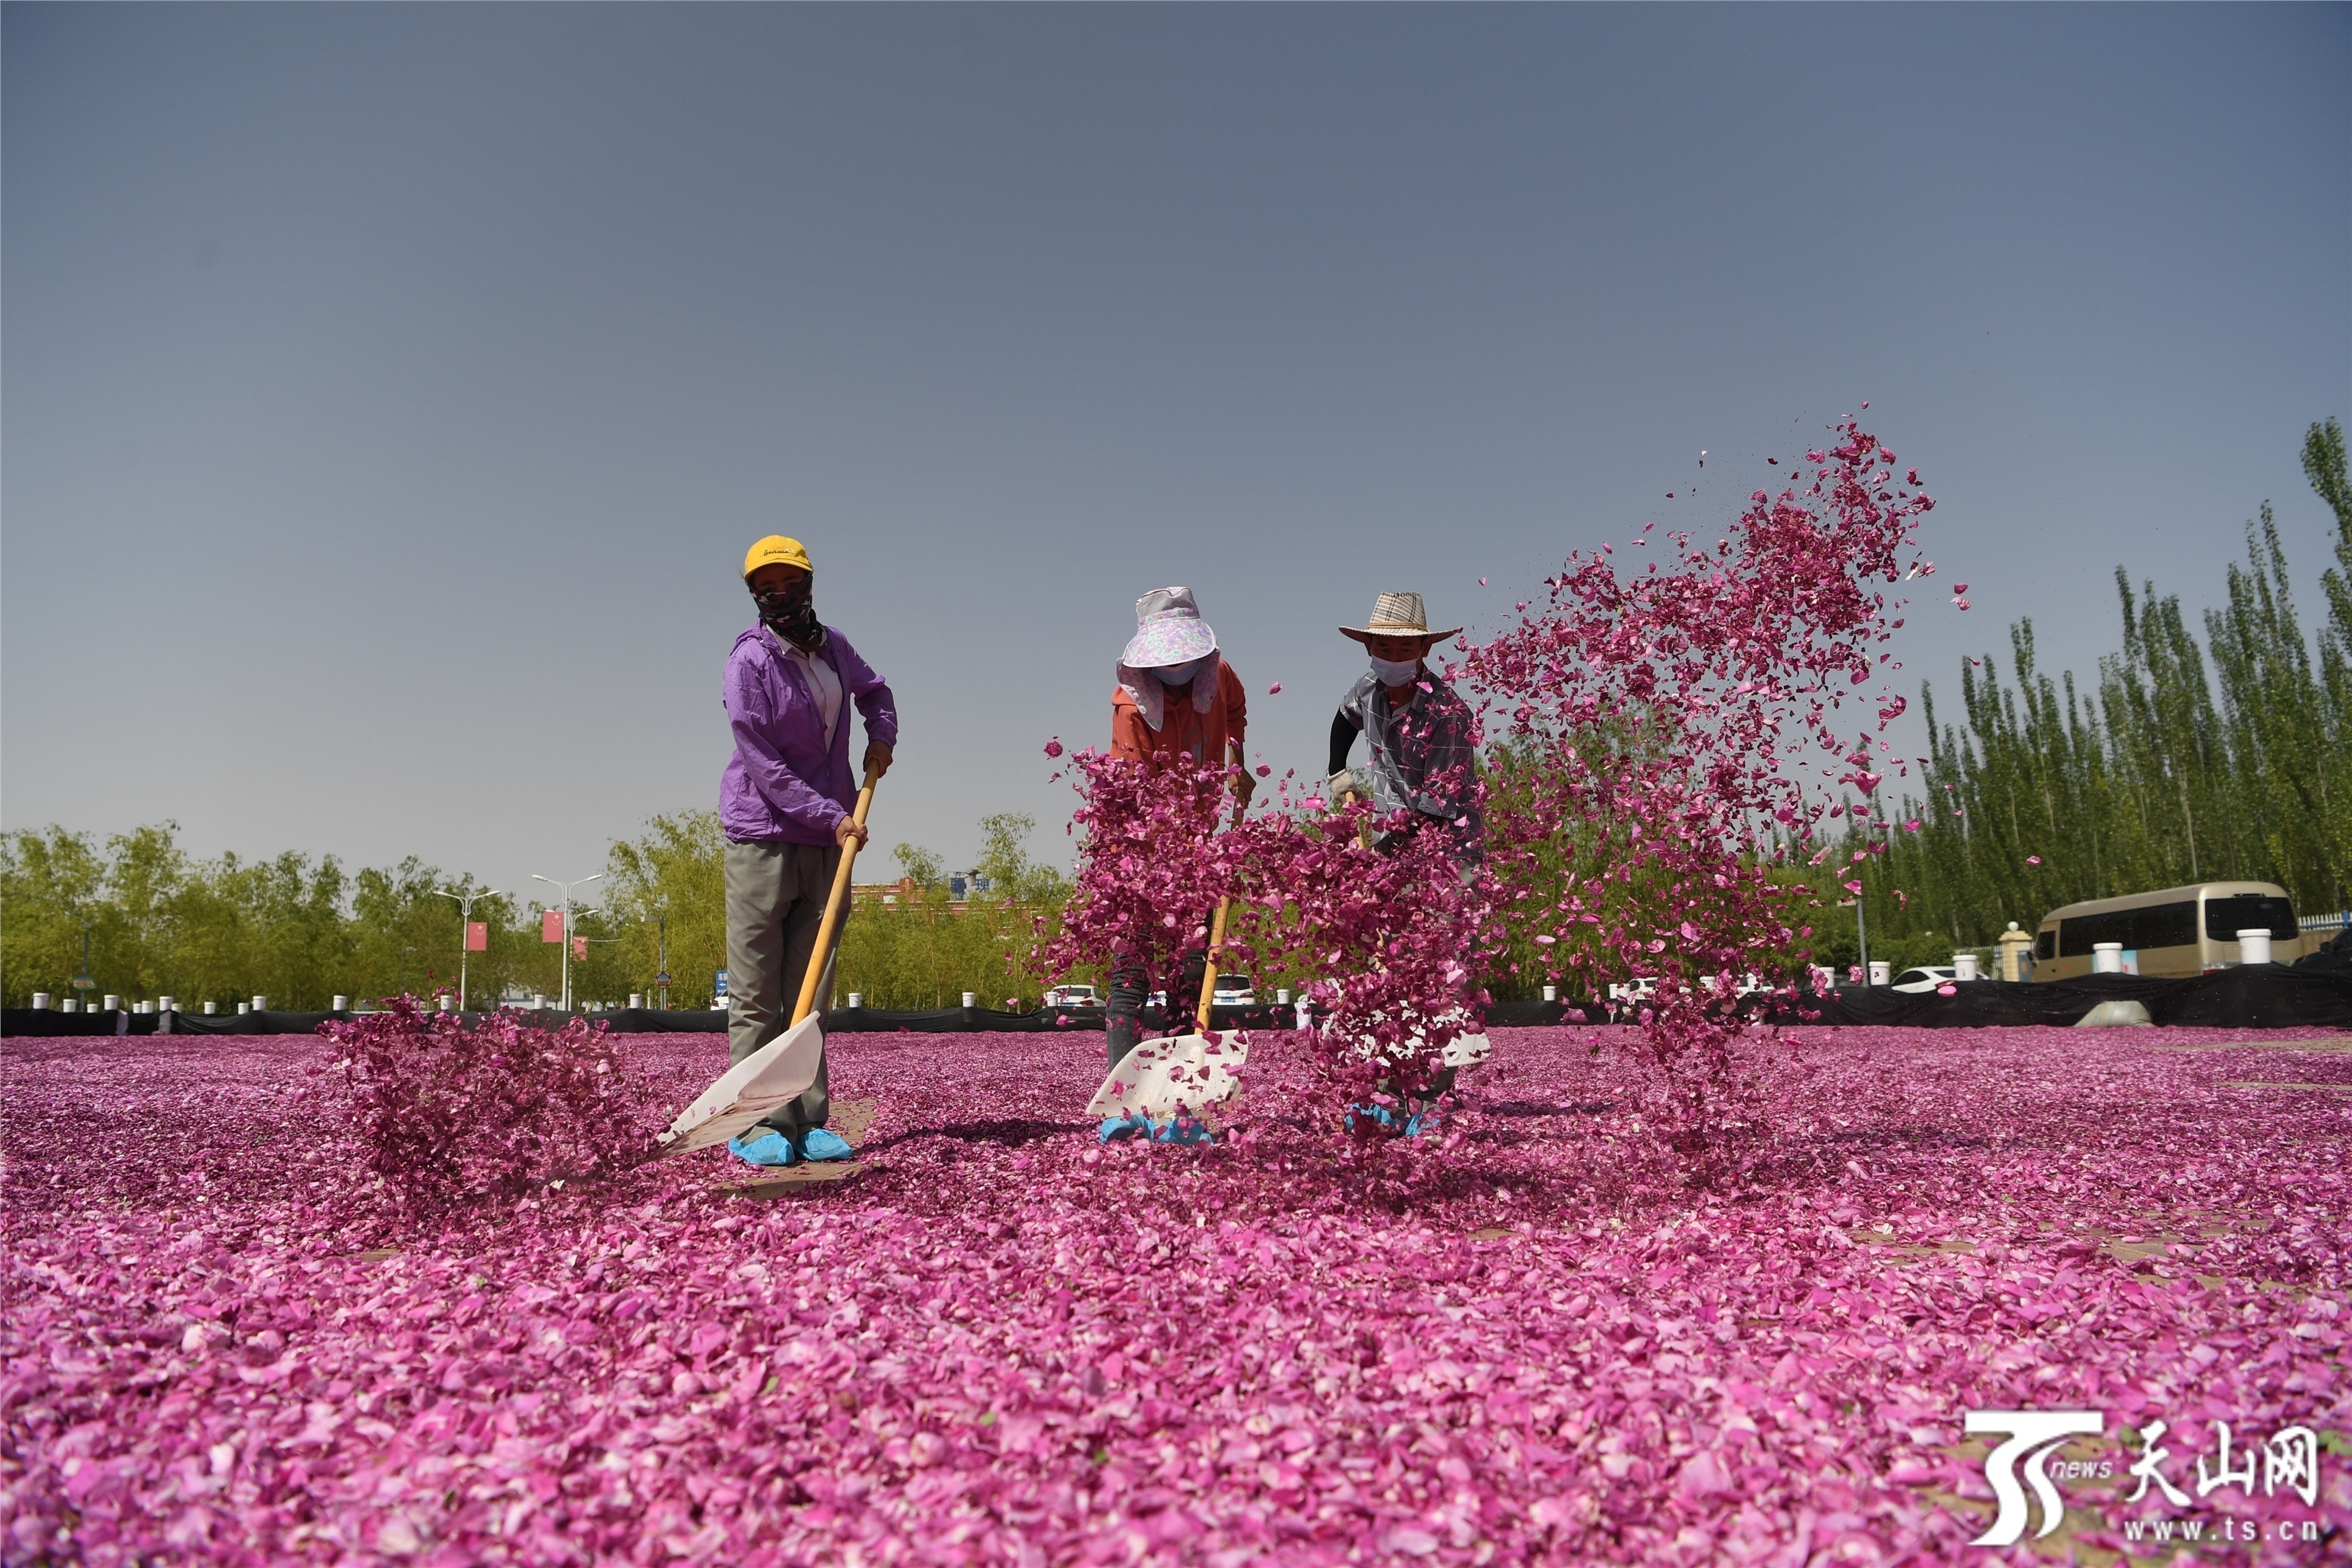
{"type": "Point", "coordinates": [785, 804]}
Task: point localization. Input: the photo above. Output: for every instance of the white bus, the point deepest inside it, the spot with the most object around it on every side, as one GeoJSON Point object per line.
{"type": "Point", "coordinates": [2175, 931]}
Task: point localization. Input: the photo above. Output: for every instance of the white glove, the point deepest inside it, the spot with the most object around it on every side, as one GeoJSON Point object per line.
{"type": "Point", "coordinates": [1342, 785]}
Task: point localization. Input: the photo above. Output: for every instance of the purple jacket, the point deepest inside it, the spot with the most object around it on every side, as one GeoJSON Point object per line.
{"type": "Point", "coordinates": [783, 784]}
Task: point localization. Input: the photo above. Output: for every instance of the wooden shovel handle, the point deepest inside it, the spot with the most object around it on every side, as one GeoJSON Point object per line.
{"type": "Point", "coordinates": [1209, 973]}
{"type": "Point", "coordinates": [836, 904]}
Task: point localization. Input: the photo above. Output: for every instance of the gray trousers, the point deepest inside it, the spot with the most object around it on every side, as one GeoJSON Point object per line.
{"type": "Point", "coordinates": [775, 901]}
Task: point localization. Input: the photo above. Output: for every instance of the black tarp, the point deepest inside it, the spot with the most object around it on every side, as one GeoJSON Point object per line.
{"type": "Point", "coordinates": [2258, 996]}
{"type": "Point", "coordinates": [2262, 996]}
{"type": "Point", "coordinates": [48, 1021]}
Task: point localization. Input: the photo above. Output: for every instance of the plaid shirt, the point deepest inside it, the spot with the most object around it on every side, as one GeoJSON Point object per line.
{"type": "Point", "coordinates": [1424, 757]}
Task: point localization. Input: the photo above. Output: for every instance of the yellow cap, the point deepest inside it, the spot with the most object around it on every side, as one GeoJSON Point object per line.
{"type": "Point", "coordinates": [776, 550]}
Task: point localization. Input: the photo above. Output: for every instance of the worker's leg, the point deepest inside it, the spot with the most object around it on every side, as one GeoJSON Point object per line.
{"type": "Point", "coordinates": [813, 865]}
{"type": "Point", "coordinates": [1129, 983]}
{"type": "Point", "coordinates": [761, 887]}
{"type": "Point", "coordinates": [1184, 991]}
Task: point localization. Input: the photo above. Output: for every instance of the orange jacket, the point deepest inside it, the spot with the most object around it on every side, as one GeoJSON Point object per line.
{"type": "Point", "coordinates": [1205, 735]}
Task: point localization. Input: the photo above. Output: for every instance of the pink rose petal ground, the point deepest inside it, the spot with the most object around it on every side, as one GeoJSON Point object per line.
{"type": "Point", "coordinates": [1532, 1342]}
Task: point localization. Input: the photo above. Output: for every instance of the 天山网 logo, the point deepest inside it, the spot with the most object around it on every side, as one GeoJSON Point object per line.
{"type": "Point", "coordinates": [2289, 1462]}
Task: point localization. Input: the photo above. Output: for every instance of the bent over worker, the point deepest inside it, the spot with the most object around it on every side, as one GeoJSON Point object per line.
{"type": "Point", "coordinates": [1423, 770]}
{"type": "Point", "coordinates": [1176, 697]}
{"type": "Point", "coordinates": [1421, 775]}
{"type": "Point", "coordinates": [784, 805]}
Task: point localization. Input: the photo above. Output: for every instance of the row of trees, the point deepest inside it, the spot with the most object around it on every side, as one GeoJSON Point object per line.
{"type": "Point", "coordinates": [669, 886]}
{"type": "Point", "coordinates": [2188, 761]}
{"type": "Point", "coordinates": [150, 921]}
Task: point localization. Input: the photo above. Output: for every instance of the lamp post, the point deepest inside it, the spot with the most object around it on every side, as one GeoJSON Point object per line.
{"type": "Point", "coordinates": [566, 887]}
{"type": "Point", "coordinates": [465, 932]}
{"type": "Point", "coordinates": [1861, 936]}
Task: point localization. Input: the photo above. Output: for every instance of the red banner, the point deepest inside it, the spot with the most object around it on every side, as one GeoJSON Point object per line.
{"type": "Point", "coordinates": [551, 926]}
{"type": "Point", "coordinates": [580, 948]}
{"type": "Point", "coordinates": [477, 936]}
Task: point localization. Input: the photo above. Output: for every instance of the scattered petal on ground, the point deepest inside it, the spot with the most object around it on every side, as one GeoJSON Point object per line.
{"type": "Point", "coordinates": [1531, 1341]}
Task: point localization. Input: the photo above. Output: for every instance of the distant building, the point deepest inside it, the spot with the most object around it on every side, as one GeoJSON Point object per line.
{"type": "Point", "coordinates": [963, 889]}
{"type": "Point", "coordinates": [901, 892]}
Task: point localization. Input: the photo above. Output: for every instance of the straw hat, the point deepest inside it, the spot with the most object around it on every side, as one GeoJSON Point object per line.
{"type": "Point", "coordinates": [1397, 615]}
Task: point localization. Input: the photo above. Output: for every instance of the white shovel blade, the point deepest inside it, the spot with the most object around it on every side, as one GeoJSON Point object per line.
{"type": "Point", "coordinates": [1467, 1050]}
{"type": "Point", "coordinates": [1159, 1078]}
{"type": "Point", "coordinates": [775, 1075]}
{"type": "Point", "coordinates": [1461, 1051]}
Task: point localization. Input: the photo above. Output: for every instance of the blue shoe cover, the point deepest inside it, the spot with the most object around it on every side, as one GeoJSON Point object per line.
{"type": "Point", "coordinates": [1181, 1129]}
{"type": "Point", "coordinates": [1115, 1129]}
{"type": "Point", "coordinates": [1378, 1114]}
{"type": "Point", "coordinates": [767, 1147]}
{"type": "Point", "coordinates": [819, 1145]}
{"type": "Point", "coordinates": [1423, 1121]}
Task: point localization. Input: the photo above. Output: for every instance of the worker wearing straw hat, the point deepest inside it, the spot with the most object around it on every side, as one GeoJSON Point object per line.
{"type": "Point", "coordinates": [785, 804]}
{"type": "Point", "coordinates": [1423, 768]}
{"type": "Point", "coordinates": [1421, 775]}
{"type": "Point", "coordinates": [1176, 697]}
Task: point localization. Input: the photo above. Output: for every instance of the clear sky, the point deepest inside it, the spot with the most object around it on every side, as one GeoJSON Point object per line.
{"type": "Point", "coordinates": [391, 392]}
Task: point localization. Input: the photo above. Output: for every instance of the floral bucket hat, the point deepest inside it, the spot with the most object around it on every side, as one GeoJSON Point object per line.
{"type": "Point", "coordinates": [1168, 630]}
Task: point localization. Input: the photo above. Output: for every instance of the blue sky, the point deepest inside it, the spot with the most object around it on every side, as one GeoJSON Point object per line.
{"type": "Point", "coordinates": [390, 393]}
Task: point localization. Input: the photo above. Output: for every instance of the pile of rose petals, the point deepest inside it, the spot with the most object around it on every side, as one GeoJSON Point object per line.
{"type": "Point", "coordinates": [1528, 1339]}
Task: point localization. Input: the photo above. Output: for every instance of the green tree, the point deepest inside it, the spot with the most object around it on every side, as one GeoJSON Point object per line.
{"type": "Point", "coordinates": [1012, 876]}
{"type": "Point", "coordinates": [674, 872]}
{"type": "Point", "coordinates": [926, 870]}
{"type": "Point", "coordinates": [2173, 773]}
{"type": "Point", "coordinates": [50, 884]}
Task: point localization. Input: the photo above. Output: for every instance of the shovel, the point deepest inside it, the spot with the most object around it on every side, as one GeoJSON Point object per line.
{"type": "Point", "coordinates": [1161, 1078]}
{"type": "Point", "coordinates": [781, 1070]}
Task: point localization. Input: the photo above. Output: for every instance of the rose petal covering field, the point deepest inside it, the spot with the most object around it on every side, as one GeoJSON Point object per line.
{"type": "Point", "coordinates": [1532, 1340]}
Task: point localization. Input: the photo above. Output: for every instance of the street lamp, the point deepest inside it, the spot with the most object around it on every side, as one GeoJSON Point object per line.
{"type": "Point", "coordinates": [661, 973]}
{"type": "Point", "coordinates": [566, 887]}
{"type": "Point", "coordinates": [465, 920]}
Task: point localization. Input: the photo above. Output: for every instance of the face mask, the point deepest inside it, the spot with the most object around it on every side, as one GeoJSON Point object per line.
{"type": "Point", "coordinates": [790, 611]}
{"type": "Point", "coordinates": [1179, 674]}
{"type": "Point", "coordinates": [1392, 673]}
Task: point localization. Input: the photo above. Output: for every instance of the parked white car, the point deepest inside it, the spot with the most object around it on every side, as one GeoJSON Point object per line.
{"type": "Point", "coordinates": [1070, 994]}
{"type": "Point", "coordinates": [1233, 991]}
{"type": "Point", "coordinates": [1926, 977]}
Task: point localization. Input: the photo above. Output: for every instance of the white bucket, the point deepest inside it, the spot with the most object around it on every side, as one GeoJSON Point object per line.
{"type": "Point", "coordinates": [112, 1004]}
{"type": "Point", "coordinates": [1882, 972]}
{"type": "Point", "coordinates": [40, 1001]}
{"type": "Point", "coordinates": [340, 1005]}
{"type": "Point", "coordinates": [857, 999]}
{"type": "Point", "coordinates": [1551, 993]}
{"type": "Point", "coordinates": [211, 1008]}
{"type": "Point", "coordinates": [972, 999]}
{"type": "Point", "coordinates": [2254, 946]}
{"type": "Point", "coordinates": [2107, 958]}
{"type": "Point", "coordinates": [261, 1004]}
{"type": "Point", "coordinates": [1964, 967]}
{"type": "Point", "coordinates": [636, 998]}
